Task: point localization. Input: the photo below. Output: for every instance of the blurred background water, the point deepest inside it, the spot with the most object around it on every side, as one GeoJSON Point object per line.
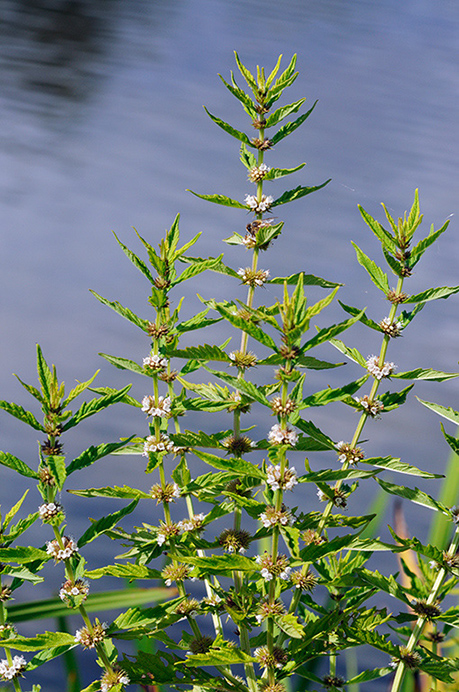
{"type": "Point", "coordinates": [102, 128]}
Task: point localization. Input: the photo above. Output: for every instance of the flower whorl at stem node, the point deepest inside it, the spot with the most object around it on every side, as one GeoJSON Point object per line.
{"type": "Point", "coordinates": [238, 445]}
{"type": "Point", "coordinates": [194, 523]}
{"type": "Point", "coordinates": [259, 206]}
{"type": "Point", "coordinates": [281, 481]}
{"type": "Point", "coordinates": [253, 278]}
{"type": "Point", "coordinates": [5, 594]}
{"type": "Point", "coordinates": [411, 659]}
{"type": "Point", "coordinates": [329, 681]}
{"type": "Point", "coordinates": [305, 582]}
{"type": "Point", "coordinates": [157, 409]}
{"type": "Point", "coordinates": [243, 360]}
{"type": "Point", "coordinates": [274, 568]}
{"type": "Point", "coordinates": [378, 371]}
{"type": "Point", "coordinates": [350, 454]}
{"type": "Point", "coordinates": [261, 144]}
{"type": "Point", "coordinates": [152, 444]}
{"type": "Point", "coordinates": [257, 173]}
{"type": "Point", "coordinates": [73, 594]}
{"type": "Point", "coordinates": [67, 551]}
{"type": "Point", "coordinates": [424, 609]}
{"type": "Point", "coordinates": [282, 436]}
{"type": "Point", "coordinates": [235, 540]}
{"type": "Point", "coordinates": [111, 678]}
{"type": "Point", "coordinates": [372, 407]}
{"type": "Point", "coordinates": [396, 298]}
{"type": "Point", "coordinates": [89, 640]}
{"type": "Point", "coordinates": [165, 532]}
{"type": "Point", "coordinates": [9, 671]}
{"type": "Point", "coordinates": [176, 573]}
{"type": "Point", "coordinates": [269, 609]}
{"type": "Point", "coordinates": [155, 362]}
{"type": "Point", "coordinates": [280, 408]}
{"type": "Point", "coordinates": [311, 536]}
{"type": "Point", "coordinates": [201, 645]}
{"type": "Point", "coordinates": [276, 517]}
{"type": "Point", "coordinates": [392, 329]}
{"type": "Point", "coordinates": [277, 658]}
{"type": "Point", "coordinates": [49, 511]}
{"type": "Point", "coordinates": [169, 493]}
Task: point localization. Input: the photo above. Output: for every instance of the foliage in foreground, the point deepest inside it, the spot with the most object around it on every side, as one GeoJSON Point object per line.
{"type": "Point", "coordinates": [280, 592]}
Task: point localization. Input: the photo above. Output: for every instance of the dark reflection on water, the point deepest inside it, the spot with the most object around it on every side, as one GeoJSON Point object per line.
{"type": "Point", "coordinates": [102, 128]}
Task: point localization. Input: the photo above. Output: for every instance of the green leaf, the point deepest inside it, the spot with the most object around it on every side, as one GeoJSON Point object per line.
{"type": "Point", "coordinates": [76, 391]}
{"type": "Point", "coordinates": [328, 333]}
{"type": "Point", "coordinates": [237, 466]}
{"type": "Point", "coordinates": [325, 396]}
{"type": "Point", "coordinates": [398, 466]}
{"type": "Point", "coordinates": [376, 274]}
{"type": "Point", "coordinates": [197, 268]}
{"type": "Point", "coordinates": [92, 454]}
{"type": "Point", "coordinates": [205, 352]}
{"type": "Point", "coordinates": [46, 640]}
{"type": "Point", "coordinates": [197, 322]}
{"type": "Point", "coordinates": [288, 128]}
{"type": "Point", "coordinates": [297, 193]}
{"type": "Point", "coordinates": [276, 173]}
{"type": "Point", "coordinates": [125, 492]}
{"type": "Point", "coordinates": [432, 294]}
{"type": "Point", "coordinates": [104, 524]}
{"type": "Point", "coordinates": [228, 128]}
{"type": "Point", "coordinates": [313, 431]}
{"type": "Point", "coordinates": [246, 73]}
{"type": "Point", "coordinates": [384, 236]}
{"type": "Point", "coordinates": [32, 390]}
{"type": "Point", "coordinates": [241, 96]}
{"type": "Point", "coordinates": [95, 602]}
{"type": "Point", "coordinates": [250, 328]}
{"type": "Point", "coordinates": [18, 465]}
{"type": "Point", "coordinates": [56, 465]}
{"type": "Point", "coordinates": [426, 374]}
{"type": "Point", "coordinates": [308, 280]}
{"type": "Point", "coordinates": [446, 412]}
{"type": "Point", "coordinates": [352, 353]}
{"type": "Point", "coordinates": [124, 312]}
{"type": "Point", "coordinates": [414, 495]}
{"type": "Point", "coordinates": [45, 375]}
{"type": "Point", "coordinates": [124, 571]}
{"type": "Point", "coordinates": [244, 386]}
{"type": "Point", "coordinates": [123, 363]}
{"type": "Point", "coordinates": [89, 408]}
{"type": "Point", "coordinates": [327, 475]}
{"type": "Point", "coordinates": [220, 564]}
{"type": "Point", "coordinates": [23, 415]}
{"type": "Point", "coordinates": [284, 112]}
{"type": "Point", "coordinates": [22, 555]}
{"type": "Point", "coordinates": [364, 319]}
{"type": "Point", "coordinates": [421, 247]}
{"type": "Point", "coordinates": [392, 400]}
{"type": "Point", "coordinates": [136, 261]}
{"type": "Point", "coordinates": [221, 199]}
{"type": "Point", "coordinates": [9, 516]}
{"type": "Point", "coordinates": [290, 624]}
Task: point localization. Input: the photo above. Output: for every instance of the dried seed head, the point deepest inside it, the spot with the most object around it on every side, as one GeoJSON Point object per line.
{"type": "Point", "coordinates": [243, 360]}
{"type": "Point", "coordinates": [410, 658]}
{"type": "Point", "coordinates": [89, 640]}
{"type": "Point", "coordinates": [279, 408]}
{"type": "Point", "coordinates": [238, 445]}
{"type": "Point", "coordinates": [305, 582]}
{"type": "Point", "coordinates": [157, 331]}
{"type": "Point", "coordinates": [5, 594]}
{"type": "Point", "coordinates": [161, 283]}
{"type": "Point", "coordinates": [435, 636]}
{"type": "Point", "coordinates": [51, 448]}
{"type": "Point", "coordinates": [201, 645]}
{"type": "Point", "coordinates": [396, 298]}
{"type": "Point", "coordinates": [261, 144]}
{"type": "Point", "coordinates": [259, 124]}
{"type": "Point", "coordinates": [427, 610]}
{"type": "Point", "coordinates": [169, 493]}
{"type": "Point", "coordinates": [350, 454]}
{"type": "Point", "coordinates": [235, 540]}
{"type": "Point", "coordinates": [332, 681]}
{"type": "Point", "coordinates": [168, 376]}
{"type": "Point", "coordinates": [289, 352]}
{"type": "Point", "coordinates": [46, 477]}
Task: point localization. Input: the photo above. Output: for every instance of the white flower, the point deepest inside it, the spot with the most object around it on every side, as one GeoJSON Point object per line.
{"type": "Point", "coordinates": [69, 548]}
{"type": "Point", "coordinates": [276, 482]}
{"type": "Point", "coordinates": [256, 206]}
{"type": "Point", "coordinates": [159, 409]}
{"type": "Point", "coordinates": [266, 574]}
{"type": "Point", "coordinates": [378, 372]}
{"type": "Point", "coordinates": [278, 435]}
{"type": "Point", "coordinates": [10, 671]}
{"type": "Point", "coordinates": [322, 496]}
{"type": "Point", "coordinates": [164, 444]}
{"type": "Point", "coordinates": [155, 362]}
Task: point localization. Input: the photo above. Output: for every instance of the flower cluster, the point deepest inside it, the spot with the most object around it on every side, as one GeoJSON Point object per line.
{"type": "Point", "coordinates": [234, 540]}
{"type": "Point", "coordinates": [194, 523]}
{"type": "Point", "coordinates": [69, 548]}
{"type": "Point", "coordinates": [273, 517]}
{"type": "Point", "coordinates": [338, 497]}
{"type": "Point", "coordinates": [257, 173]}
{"type": "Point", "coordinates": [9, 671]}
{"type": "Point", "coordinates": [282, 436]}
{"type": "Point", "coordinates": [269, 609]}
{"type": "Point", "coordinates": [275, 659]}
{"type": "Point", "coordinates": [176, 573]}
{"type": "Point", "coordinates": [157, 409]}
{"type": "Point", "coordinates": [169, 493]}
{"type": "Point", "coordinates": [74, 593]}
{"type": "Point", "coordinates": [243, 360]}
{"type": "Point", "coordinates": [155, 362]}
{"type": "Point", "coordinates": [304, 581]}
{"type": "Point", "coordinates": [111, 678]}
{"type": "Point", "coordinates": [270, 568]}
{"type": "Point", "coordinates": [238, 445]}
{"type": "Point", "coordinates": [278, 481]}
{"type": "Point", "coordinates": [253, 278]}
{"type": "Point", "coordinates": [259, 206]}
{"type": "Point", "coordinates": [350, 454]}
{"type": "Point", "coordinates": [392, 329]}
{"type": "Point", "coordinates": [373, 407]}
{"type": "Point", "coordinates": [282, 408]}
{"type": "Point", "coordinates": [379, 372]}
{"type": "Point", "coordinates": [152, 444]}
{"type": "Point", "coordinates": [49, 511]}
{"type": "Point", "coordinates": [88, 639]}
{"type": "Point", "coordinates": [5, 594]}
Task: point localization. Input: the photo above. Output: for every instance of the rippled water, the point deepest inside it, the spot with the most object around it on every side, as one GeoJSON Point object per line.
{"type": "Point", "coordinates": [102, 128]}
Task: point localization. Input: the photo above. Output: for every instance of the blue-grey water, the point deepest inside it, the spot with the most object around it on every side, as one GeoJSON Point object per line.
{"type": "Point", "coordinates": [102, 128]}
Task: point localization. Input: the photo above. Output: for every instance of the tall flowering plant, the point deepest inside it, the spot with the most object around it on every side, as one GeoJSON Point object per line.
{"type": "Point", "coordinates": [270, 589]}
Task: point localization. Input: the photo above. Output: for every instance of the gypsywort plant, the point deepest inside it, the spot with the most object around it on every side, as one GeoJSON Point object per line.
{"type": "Point", "coordinates": [269, 586]}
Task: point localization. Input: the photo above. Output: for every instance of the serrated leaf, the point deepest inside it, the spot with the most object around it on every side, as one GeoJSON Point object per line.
{"type": "Point", "coordinates": [308, 280]}
{"type": "Point", "coordinates": [45, 375]}
{"type": "Point", "coordinates": [313, 431]}
{"type": "Point", "coordinates": [352, 353]}
{"type": "Point", "coordinates": [104, 524]}
{"type": "Point", "coordinates": [432, 294]}
{"type": "Point", "coordinates": [124, 571]}
{"type": "Point", "coordinates": [290, 624]}
{"type": "Point", "coordinates": [398, 466]}
{"type": "Point", "coordinates": [220, 564]}
{"type": "Point", "coordinates": [205, 352]}
{"type": "Point", "coordinates": [244, 386]}
{"type": "Point", "coordinates": [89, 408]}
{"type": "Point", "coordinates": [17, 464]}
{"type": "Point", "coordinates": [288, 128]}
{"type": "Point", "coordinates": [239, 466]}
{"type": "Point", "coordinates": [76, 391]}
{"type": "Point", "coordinates": [125, 492]}
{"type": "Point", "coordinates": [414, 495]}
{"type": "Point", "coordinates": [221, 199]}
{"type": "Point", "coordinates": [364, 319]}
{"type": "Point", "coordinates": [197, 268]}
{"type": "Point", "coordinates": [384, 236]}
{"type": "Point", "coordinates": [284, 112]}
{"type": "Point", "coordinates": [376, 274]}
{"type": "Point", "coordinates": [426, 374]}
{"type": "Point", "coordinates": [56, 465]}
{"type": "Point", "coordinates": [46, 640]}
{"type": "Point", "coordinates": [241, 136]}
{"type": "Point", "coordinates": [249, 327]}
{"type": "Point", "coordinates": [328, 333]}
{"type": "Point", "coordinates": [12, 512]}
{"type": "Point", "coordinates": [199, 321]}
{"type": "Point", "coordinates": [297, 193]}
{"type": "Point", "coordinates": [123, 363]}
{"type": "Point", "coordinates": [241, 96]}
{"type": "Point", "coordinates": [136, 261]}
{"type": "Point", "coordinates": [32, 390]}
{"type": "Point", "coordinates": [23, 415]}
{"type": "Point", "coordinates": [446, 412]}
{"type": "Point", "coordinates": [124, 312]}
{"type": "Point", "coordinates": [325, 396]}
{"type": "Point", "coordinates": [92, 454]}
{"type": "Point", "coordinates": [246, 73]}
{"type": "Point", "coordinates": [329, 475]}
{"type": "Point", "coordinates": [392, 400]}
{"type": "Point", "coordinates": [23, 555]}
{"type": "Point", "coordinates": [421, 247]}
{"type": "Point", "coordinates": [276, 173]}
